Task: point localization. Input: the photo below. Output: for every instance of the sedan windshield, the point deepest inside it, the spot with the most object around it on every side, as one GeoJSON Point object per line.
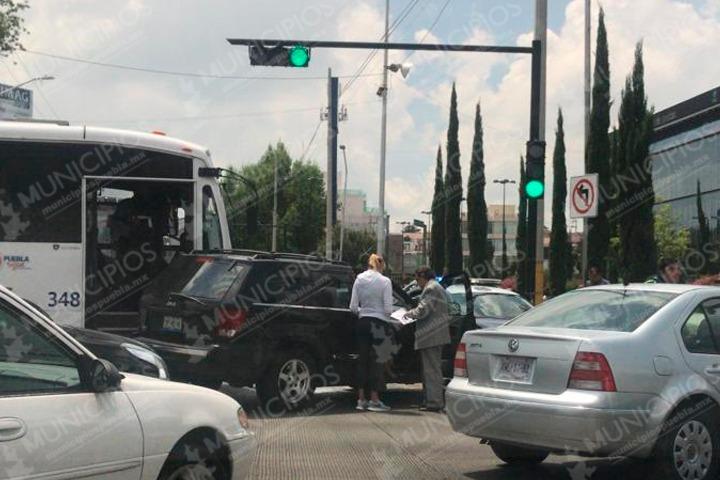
{"type": "Point", "coordinates": [495, 305]}
{"type": "Point", "coordinates": [611, 310]}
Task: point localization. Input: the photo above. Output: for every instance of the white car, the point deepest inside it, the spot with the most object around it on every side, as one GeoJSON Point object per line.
{"type": "Point", "coordinates": [492, 306]}
{"type": "Point", "coordinates": [65, 414]}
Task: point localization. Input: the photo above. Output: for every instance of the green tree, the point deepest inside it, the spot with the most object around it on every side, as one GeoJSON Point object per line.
{"type": "Point", "coordinates": [636, 229]}
{"type": "Point", "coordinates": [477, 208]}
{"type": "Point", "coordinates": [521, 238]}
{"type": "Point", "coordinates": [11, 25]}
{"type": "Point", "coordinates": [453, 193]}
{"type": "Point", "coordinates": [598, 147]}
{"type": "Point", "coordinates": [357, 246]}
{"type": "Point", "coordinates": [437, 233]}
{"type": "Point", "coordinates": [672, 241]}
{"type": "Point", "coordinates": [301, 203]}
{"type": "Point", "coordinates": [560, 249]}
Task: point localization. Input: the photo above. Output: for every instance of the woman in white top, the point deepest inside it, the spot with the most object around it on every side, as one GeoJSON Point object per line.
{"type": "Point", "coordinates": [372, 302]}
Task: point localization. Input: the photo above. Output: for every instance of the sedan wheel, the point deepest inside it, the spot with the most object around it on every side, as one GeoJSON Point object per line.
{"type": "Point", "coordinates": [192, 472]}
{"type": "Point", "coordinates": [689, 446]}
{"type": "Point", "coordinates": [693, 450]}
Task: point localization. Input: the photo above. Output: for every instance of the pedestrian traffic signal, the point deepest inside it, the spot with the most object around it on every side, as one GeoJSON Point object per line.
{"type": "Point", "coordinates": [535, 170]}
{"type": "Point", "coordinates": [279, 55]}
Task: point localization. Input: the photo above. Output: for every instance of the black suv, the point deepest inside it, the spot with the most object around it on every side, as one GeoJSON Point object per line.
{"type": "Point", "coordinates": [280, 322]}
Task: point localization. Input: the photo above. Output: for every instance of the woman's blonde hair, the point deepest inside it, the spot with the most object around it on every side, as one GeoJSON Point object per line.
{"type": "Point", "coordinates": [376, 262]}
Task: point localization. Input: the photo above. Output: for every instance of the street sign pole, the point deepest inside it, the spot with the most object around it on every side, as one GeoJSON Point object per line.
{"type": "Point", "coordinates": [588, 11]}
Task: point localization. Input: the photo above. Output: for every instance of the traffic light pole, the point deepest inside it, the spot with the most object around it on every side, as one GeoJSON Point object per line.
{"type": "Point", "coordinates": [541, 55]}
{"type": "Point", "coordinates": [534, 262]}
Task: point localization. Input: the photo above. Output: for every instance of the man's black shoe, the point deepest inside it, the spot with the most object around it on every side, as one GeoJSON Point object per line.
{"type": "Point", "coordinates": [431, 409]}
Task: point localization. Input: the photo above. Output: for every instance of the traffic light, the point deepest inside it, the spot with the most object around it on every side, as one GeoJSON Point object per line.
{"type": "Point", "coordinates": [297, 56]}
{"type": "Point", "coordinates": [535, 170]}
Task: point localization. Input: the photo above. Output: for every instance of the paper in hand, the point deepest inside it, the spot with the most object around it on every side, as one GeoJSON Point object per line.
{"type": "Point", "coordinates": [399, 315]}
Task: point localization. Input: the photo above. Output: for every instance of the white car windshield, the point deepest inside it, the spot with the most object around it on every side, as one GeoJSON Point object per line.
{"type": "Point", "coordinates": [611, 310]}
{"type": "Point", "coordinates": [496, 305]}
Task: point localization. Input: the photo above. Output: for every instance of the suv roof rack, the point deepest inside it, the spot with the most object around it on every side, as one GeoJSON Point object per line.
{"type": "Point", "coordinates": [261, 254]}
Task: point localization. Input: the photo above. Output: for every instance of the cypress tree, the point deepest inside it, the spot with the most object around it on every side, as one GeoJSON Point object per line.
{"type": "Point", "coordinates": [453, 193]}
{"type": "Point", "coordinates": [521, 238]}
{"type": "Point", "coordinates": [477, 208]}
{"type": "Point", "coordinates": [598, 147]}
{"type": "Point", "coordinates": [636, 221]}
{"type": "Point", "coordinates": [560, 254]}
{"type": "Point", "coordinates": [437, 233]}
{"type": "Point", "coordinates": [703, 232]}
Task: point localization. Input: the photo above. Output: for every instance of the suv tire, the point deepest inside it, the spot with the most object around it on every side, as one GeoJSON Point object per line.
{"type": "Point", "coordinates": [514, 455]}
{"type": "Point", "coordinates": [288, 381]}
{"type": "Point", "coordinates": [689, 446]}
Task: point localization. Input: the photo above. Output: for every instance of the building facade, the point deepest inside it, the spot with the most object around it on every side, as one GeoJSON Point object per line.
{"type": "Point", "coordinates": [495, 230]}
{"type": "Point", "coordinates": [685, 159]}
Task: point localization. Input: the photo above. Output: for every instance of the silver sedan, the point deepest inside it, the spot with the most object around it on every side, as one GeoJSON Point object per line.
{"type": "Point", "coordinates": [628, 371]}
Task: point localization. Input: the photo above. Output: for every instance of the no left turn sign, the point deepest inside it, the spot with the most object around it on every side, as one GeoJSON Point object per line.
{"type": "Point", "coordinates": [583, 195]}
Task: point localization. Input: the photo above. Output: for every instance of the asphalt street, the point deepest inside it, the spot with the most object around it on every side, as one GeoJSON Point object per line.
{"type": "Point", "coordinates": [331, 440]}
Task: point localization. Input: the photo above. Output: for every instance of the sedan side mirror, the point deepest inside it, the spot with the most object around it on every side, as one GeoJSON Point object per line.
{"type": "Point", "coordinates": [103, 376]}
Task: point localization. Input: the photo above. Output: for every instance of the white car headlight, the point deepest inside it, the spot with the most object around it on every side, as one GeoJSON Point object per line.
{"type": "Point", "coordinates": [148, 356]}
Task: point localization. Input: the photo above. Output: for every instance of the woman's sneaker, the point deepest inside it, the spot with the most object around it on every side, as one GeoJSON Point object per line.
{"type": "Point", "coordinates": [362, 405]}
{"type": "Point", "coordinates": [378, 406]}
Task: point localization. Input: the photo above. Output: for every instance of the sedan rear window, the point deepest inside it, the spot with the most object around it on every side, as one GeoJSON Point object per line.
{"type": "Point", "coordinates": [610, 310]}
{"type": "Point", "coordinates": [495, 305]}
{"type": "Point", "coordinates": [213, 279]}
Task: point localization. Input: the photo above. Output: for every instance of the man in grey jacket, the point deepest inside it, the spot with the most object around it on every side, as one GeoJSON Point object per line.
{"type": "Point", "coordinates": [432, 332]}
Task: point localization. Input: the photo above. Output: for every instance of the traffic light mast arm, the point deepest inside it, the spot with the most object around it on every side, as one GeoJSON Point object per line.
{"type": "Point", "coordinates": [269, 43]}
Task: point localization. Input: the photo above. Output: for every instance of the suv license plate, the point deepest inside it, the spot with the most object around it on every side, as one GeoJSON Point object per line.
{"type": "Point", "coordinates": [514, 369]}
{"type": "Point", "coordinates": [172, 324]}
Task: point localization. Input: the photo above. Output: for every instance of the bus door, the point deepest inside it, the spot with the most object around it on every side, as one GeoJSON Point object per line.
{"type": "Point", "coordinates": [133, 229]}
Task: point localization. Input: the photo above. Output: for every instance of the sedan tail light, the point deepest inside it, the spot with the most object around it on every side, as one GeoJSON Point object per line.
{"type": "Point", "coordinates": [230, 321]}
{"type": "Point", "coordinates": [591, 371]}
{"type": "Point", "coordinates": [460, 363]}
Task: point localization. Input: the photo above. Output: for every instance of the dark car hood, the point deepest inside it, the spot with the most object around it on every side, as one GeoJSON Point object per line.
{"type": "Point", "coordinates": [97, 338]}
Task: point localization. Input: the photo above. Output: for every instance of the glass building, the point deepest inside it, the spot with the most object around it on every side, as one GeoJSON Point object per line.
{"type": "Point", "coordinates": [685, 158]}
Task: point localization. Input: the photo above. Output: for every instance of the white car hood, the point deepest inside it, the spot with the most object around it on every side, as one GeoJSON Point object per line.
{"type": "Point", "coordinates": [140, 383]}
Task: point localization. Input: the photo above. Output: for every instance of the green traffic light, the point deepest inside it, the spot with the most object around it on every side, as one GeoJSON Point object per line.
{"type": "Point", "coordinates": [299, 56]}
{"type": "Point", "coordinates": [534, 189]}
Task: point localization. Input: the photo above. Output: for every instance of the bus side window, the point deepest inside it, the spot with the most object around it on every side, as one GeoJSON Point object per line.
{"type": "Point", "coordinates": [211, 234]}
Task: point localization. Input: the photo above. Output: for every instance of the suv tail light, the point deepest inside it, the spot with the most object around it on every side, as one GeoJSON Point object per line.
{"type": "Point", "coordinates": [460, 363]}
{"type": "Point", "coordinates": [230, 321]}
{"type": "Point", "coordinates": [591, 371]}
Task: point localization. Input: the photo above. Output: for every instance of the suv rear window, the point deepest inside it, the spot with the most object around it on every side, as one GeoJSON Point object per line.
{"type": "Point", "coordinates": [214, 279]}
{"type": "Point", "coordinates": [611, 310]}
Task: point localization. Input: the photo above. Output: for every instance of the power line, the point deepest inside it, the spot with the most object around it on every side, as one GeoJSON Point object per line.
{"type": "Point", "coordinates": [213, 117]}
{"type": "Point", "coordinates": [430, 29]}
{"type": "Point", "coordinates": [401, 17]}
{"type": "Point", "coordinates": [179, 73]}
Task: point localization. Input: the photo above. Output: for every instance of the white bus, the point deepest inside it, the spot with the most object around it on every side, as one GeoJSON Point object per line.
{"type": "Point", "coordinates": [89, 216]}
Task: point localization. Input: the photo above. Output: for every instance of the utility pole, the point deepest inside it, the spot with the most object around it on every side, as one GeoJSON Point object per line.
{"type": "Point", "coordinates": [331, 204]}
{"type": "Point", "coordinates": [381, 232]}
{"type": "Point", "coordinates": [504, 183]}
{"type": "Point", "coordinates": [275, 207]}
{"type": "Point", "coordinates": [541, 36]}
{"type": "Point", "coordinates": [588, 14]}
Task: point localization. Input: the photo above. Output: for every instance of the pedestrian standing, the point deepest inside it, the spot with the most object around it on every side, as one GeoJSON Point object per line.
{"type": "Point", "coordinates": [432, 332]}
{"type": "Point", "coordinates": [595, 276]}
{"type": "Point", "coordinates": [372, 302]}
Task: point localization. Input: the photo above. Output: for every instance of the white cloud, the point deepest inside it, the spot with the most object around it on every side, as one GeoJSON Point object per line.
{"type": "Point", "coordinates": [680, 42]}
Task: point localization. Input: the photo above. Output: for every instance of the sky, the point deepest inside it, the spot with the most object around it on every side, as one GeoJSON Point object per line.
{"type": "Point", "coordinates": [238, 118]}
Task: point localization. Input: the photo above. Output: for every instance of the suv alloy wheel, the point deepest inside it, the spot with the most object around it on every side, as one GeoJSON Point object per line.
{"type": "Point", "coordinates": [289, 379]}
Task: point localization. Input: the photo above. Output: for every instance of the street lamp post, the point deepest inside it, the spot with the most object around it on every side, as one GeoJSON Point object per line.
{"type": "Point", "coordinates": [402, 250]}
{"type": "Point", "coordinates": [504, 264]}
{"type": "Point", "coordinates": [426, 249]}
{"type": "Point", "coordinates": [34, 79]}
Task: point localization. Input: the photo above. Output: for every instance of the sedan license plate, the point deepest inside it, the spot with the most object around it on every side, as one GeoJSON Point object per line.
{"type": "Point", "coordinates": [172, 324]}
{"type": "Point", "coordinates": [514, 369]}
